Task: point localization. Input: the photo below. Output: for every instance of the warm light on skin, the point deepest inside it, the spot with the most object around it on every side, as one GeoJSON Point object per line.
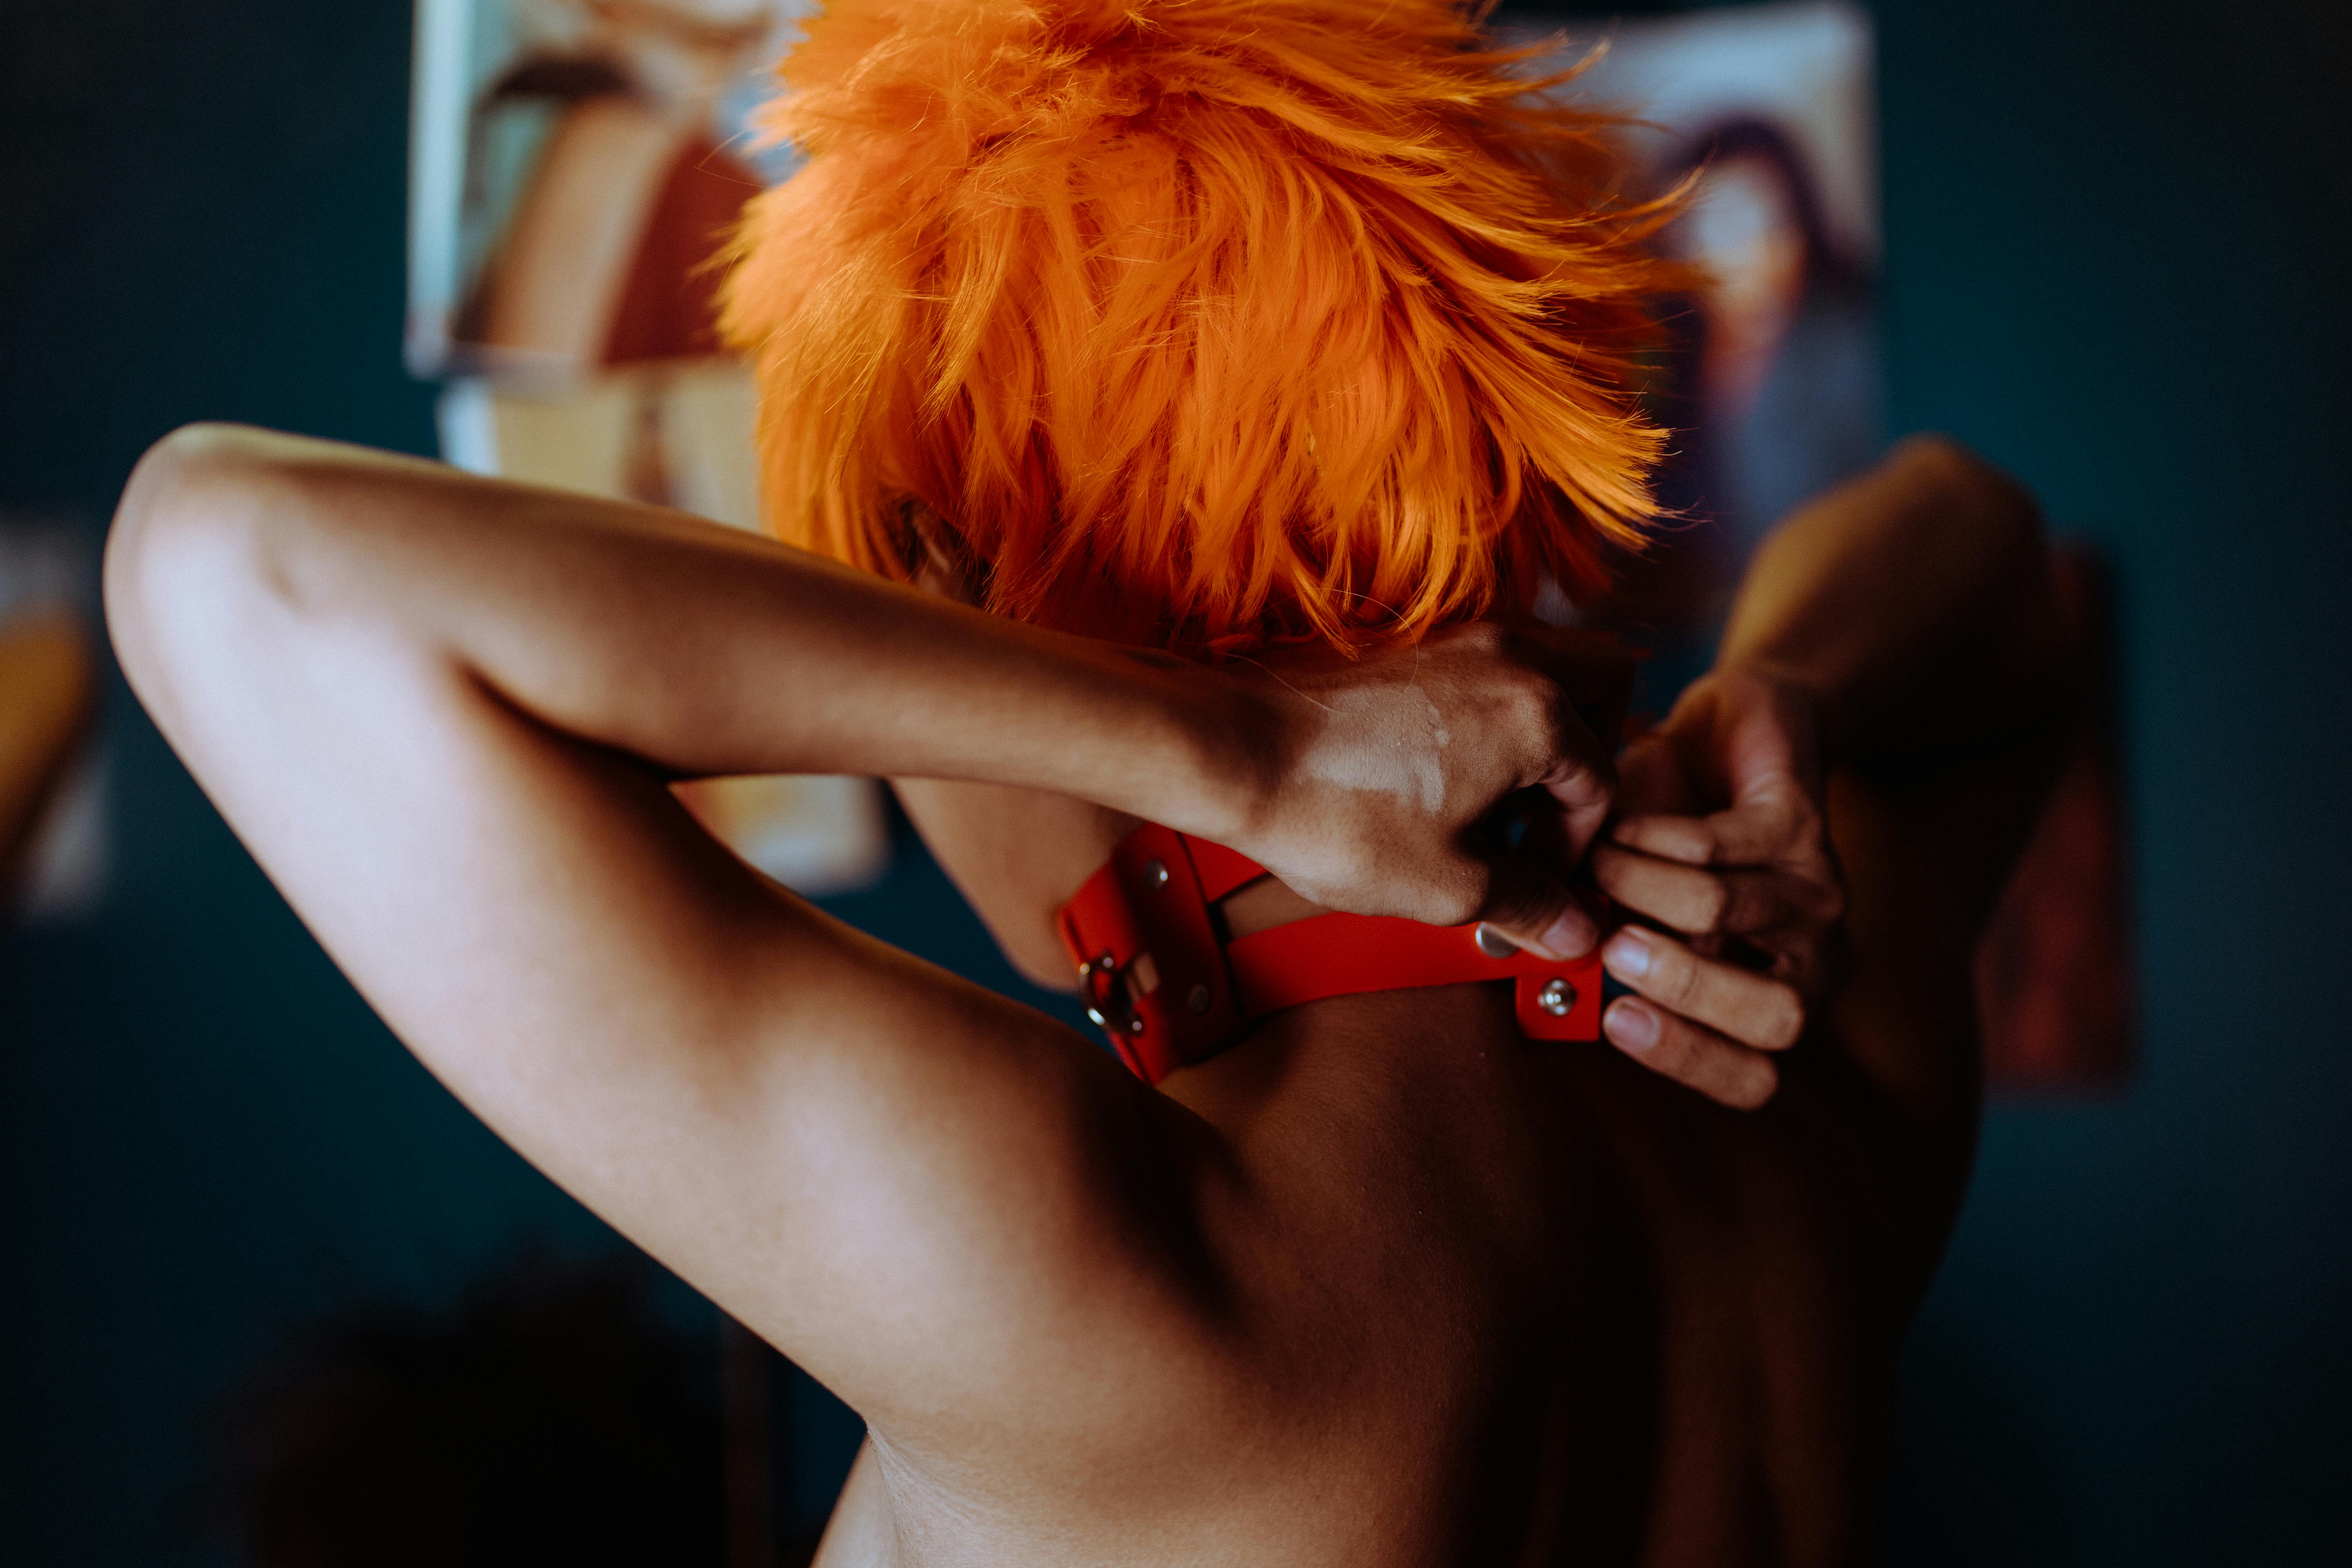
{"type": "Point", "coordinates": [441, 713]}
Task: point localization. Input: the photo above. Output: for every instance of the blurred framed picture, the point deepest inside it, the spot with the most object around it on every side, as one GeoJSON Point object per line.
{"type": "Point", "coordinates": [56, 837]}
{"type": "Point", "coordinates": [573, 164]}
{"type": "Point", "coordinates": [577, 168]}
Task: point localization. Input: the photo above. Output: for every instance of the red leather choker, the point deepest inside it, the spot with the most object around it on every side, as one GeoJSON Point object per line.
{"type": "Point", "coordinates": [1169, 991]}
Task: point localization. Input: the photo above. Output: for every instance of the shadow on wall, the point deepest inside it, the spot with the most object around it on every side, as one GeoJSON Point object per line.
{"type": "Point", "coordinates": [1972, 1477]}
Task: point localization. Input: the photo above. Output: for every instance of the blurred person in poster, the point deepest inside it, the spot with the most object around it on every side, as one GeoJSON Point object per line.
{"type": "Point", "coordinates": [1782, 357]}
{"type": "Point", "coordinates": [1770, 387]}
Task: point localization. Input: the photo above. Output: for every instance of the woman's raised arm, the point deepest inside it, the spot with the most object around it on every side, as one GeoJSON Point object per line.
{"type": "Point", "coordinates": [442, 713]}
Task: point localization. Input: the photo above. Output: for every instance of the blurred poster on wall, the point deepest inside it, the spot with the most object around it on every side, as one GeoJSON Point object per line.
{"type": "Point", "coordinates": [1772, 380]}
{"type": "Point", "coordinates": [55, 839]}
{"type": "Point", "coordinates": [1772, 386]}
{"type": "Point", "coordinates": [576, 168]}
{"type": "Point", "coordinates": [572, 165]}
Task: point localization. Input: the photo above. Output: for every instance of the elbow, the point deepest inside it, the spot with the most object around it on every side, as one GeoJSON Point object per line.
{"type": "Point", "coordinates": [1998, 506]}
{"type": "Point", "coordinates": [190, 539]}
{"type": "Point", "coordinates": [198, 476]}
{"type": "Point", "coordinates": [2006, 556]}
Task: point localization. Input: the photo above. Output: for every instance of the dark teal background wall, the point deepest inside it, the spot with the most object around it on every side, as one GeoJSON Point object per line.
{"type": "Point", "coordinates": [2118, 245]}
{"type": "Point", "coordinates": [2119, 237]}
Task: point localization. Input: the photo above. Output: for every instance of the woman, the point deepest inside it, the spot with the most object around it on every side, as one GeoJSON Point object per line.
{"type": "Point", "coordinates": [1383, 1281]}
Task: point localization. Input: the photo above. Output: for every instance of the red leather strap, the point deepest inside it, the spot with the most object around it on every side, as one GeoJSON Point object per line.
{"type": "Point", "coordinates": [1168, 993]}
{"type": "Point", "coordinates": [1223, 870]}
{"type": "Point", "coordinates": [1151, 968]}
{"type": "Point", "coordinates": [1345, 955]}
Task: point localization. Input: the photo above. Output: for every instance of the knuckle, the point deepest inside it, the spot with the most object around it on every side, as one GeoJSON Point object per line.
{"type": "Point", "coordinates": [1535, 705]}
{"type": "Point", "coordinates": [1354, 870]}
{"type": "Point", "coordinates": [1464, 898]}
{"type": "Point", "coordinates": [1481, 636]}
{"type": "Point", "coordinates": [1547, 714]}
{"type": "Point", "coordinates": [1675, 977]}
{"type": "Point", "coordinates": [1712, 905]}
{"type": "Point", "coordinates": [1804, 817]}
{"type": "Point", "coordinates": [1455, 911]}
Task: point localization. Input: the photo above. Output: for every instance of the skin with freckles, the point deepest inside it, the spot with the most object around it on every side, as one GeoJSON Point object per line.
{"type": "Point", "coordinates": [1382, 1284]}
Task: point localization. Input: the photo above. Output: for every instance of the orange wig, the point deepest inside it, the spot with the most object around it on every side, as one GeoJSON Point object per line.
{"type": "Point", "coordinates": [1198, 324]}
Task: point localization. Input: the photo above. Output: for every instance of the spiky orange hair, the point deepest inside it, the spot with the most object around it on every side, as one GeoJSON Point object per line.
{"type": "Point", "coordinates": [1203, 323]}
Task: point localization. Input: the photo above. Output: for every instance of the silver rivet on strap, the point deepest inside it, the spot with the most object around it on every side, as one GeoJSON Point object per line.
{"type": "Point", "coordinates": [1492, 942]}
{"type": "Point", "coordinates": [1555, 998]}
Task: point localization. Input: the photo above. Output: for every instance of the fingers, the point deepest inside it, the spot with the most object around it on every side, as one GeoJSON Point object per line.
{"type": "Point", "coordinates": [1535, 909]}
{"type": "Point", "coordinates": [1773, 820]}
{"type": "Point", "coordinates": [1739, 727]}
{"type": "Point", "coordinates": [1743, 1006]}
{"type": "Point", "coordinates": [1691, 1053]}
{"type": "Point", "coordinates": [1706, 899]}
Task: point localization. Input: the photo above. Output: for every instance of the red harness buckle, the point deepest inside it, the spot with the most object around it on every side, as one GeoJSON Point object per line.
{"type": "Point", "coordinates": [1168, 993]}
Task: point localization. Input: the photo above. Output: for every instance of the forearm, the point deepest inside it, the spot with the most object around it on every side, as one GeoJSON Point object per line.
{"type": "Point", "coordinates": [1914, 603]}
{"type": "Point", "coordinates": [697, 649]}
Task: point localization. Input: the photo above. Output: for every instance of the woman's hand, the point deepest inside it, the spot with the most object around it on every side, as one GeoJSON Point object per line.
{"type": "Point", "coordinates": [1458, 780]}
{"type": "Point", "coordinates": [1723, 841]}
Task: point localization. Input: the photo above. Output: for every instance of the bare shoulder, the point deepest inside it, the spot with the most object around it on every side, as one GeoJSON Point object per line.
{"type": "Point", "coordinates": [955, 1210]}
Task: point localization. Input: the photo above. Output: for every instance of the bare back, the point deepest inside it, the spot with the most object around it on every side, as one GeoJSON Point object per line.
{"type": "Point", "coordinates": [1476, 1301]}
{"type": "Point", "coordinates": [1464, 1297]}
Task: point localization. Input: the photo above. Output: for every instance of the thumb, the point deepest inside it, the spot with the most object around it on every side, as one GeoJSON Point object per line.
{"type": "Point", "coordinates": [1584, 787]}
{"type": "Point", "coordinates": [1535, 909]}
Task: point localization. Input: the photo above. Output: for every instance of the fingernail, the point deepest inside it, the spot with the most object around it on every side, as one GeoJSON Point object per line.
{"type": "Point", "coordinates": [1631, 1024]}
{"type": "Point", "coordinates": [1628, 955]}
{"type": "Point", "coordinates": [1570, 936]}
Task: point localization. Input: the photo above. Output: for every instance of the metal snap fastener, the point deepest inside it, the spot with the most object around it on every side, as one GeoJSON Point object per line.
{"type": "Point", "coordinates": [1098, 986]}
{"type": "Point", "coordinates": [1156, 873]}
{"type": "Point", "coordinates": [1555, 998]}
{"type": "Point", "coordinates": [1198, 999]}
{"type": "Point", "coordinates": [1492, 942]}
